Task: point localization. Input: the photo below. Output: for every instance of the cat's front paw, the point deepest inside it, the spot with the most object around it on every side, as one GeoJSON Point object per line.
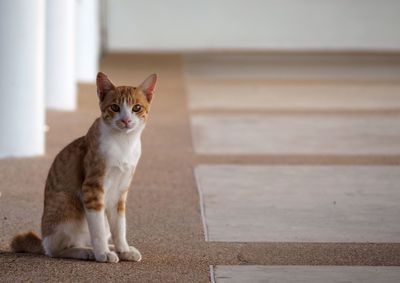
{"type": "Point", "coordinates": [107, 257]}
{"type": "Point", "coordinates": [132, 255]}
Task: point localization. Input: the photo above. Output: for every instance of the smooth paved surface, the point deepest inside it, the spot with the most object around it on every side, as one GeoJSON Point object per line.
{"type": "Point", "coordinates": [300, 203]}
{"type": "Point", "coordinates": [314, 136]}
{"type": "Point", "coordinates": [256, 95]}
{"type": "Point", "coordinates": [274, 134]}
{"type": "Point", "coordinates": [288, 67]}
{"type": "Point", "coordinates": [306, 274]}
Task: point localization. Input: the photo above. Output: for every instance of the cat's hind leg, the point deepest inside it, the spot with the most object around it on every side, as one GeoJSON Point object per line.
{"type": "Point", "coordinates": [77, 253]}
{"type": "Point", "coordinates": [69, 240]}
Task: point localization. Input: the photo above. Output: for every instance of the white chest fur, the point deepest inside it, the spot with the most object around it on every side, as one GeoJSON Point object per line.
{"type": "Point", "coordinates": [121, 152]}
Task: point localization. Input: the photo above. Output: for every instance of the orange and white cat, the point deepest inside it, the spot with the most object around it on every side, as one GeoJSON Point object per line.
{"type": "Point", "coordinates": [88, 182]}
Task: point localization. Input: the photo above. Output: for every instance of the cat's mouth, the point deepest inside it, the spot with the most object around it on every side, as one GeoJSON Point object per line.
{"type": "Point", "coordinates": [126, 128]}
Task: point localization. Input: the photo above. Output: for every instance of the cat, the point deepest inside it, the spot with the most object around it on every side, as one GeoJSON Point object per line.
{"type": "Point", "coordinates": [88, 182]}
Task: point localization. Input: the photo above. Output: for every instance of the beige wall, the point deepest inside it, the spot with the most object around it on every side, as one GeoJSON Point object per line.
{"type": "Point", "coordinates": [253, 24]}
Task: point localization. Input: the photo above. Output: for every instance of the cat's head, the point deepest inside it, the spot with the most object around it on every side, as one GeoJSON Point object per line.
{"type": "Point", "coordinates": [125, 108]}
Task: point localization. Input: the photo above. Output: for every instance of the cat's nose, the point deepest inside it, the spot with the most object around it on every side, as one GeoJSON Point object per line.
{"type": "Point", "coordinates": [126, 121]}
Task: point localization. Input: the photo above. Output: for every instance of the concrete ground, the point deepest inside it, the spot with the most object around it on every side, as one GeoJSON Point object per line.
{"type": "Point", "coordinates": [254, 169]}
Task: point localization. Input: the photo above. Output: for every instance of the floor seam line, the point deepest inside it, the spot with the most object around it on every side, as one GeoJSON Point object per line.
{"type": "Point", "coordinates": [212, 274]}
{"type": "Point", "coordinates": [202, 205]}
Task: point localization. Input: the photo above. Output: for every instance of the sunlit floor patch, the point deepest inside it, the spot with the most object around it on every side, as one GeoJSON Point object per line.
{"type": "Point", "coordinates": [280, 67]}
{"type": "Point", "coordinates": [289, 95]}
{"type": "Point", "coordinates": [296, 134]}
{"type": "Point", "coordinates": [300, 203]}
{"type": "Point", "coordinates": [305, 274]}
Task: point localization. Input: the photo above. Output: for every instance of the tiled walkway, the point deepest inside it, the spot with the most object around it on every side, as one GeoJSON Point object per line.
{"type": "Point", "coordinates": [263, 106]}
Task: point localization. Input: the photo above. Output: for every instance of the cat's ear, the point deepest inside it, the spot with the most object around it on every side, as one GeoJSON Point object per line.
{"type": "Point", "coordinates": [148, 86]}
{"type": "Point", "coordinates": [104, 85]}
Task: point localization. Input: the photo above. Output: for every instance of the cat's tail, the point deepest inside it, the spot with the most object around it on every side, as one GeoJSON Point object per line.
{"type": "Point", "coordinates": [27, 243]}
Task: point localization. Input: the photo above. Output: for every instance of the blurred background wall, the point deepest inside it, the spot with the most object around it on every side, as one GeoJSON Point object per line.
{"type": "Point", "coordinates": [323, 25]}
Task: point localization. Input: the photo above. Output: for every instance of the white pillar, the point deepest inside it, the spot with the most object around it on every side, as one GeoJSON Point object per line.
{"type": "Point", "coordinates": [22, 31]}
{"type": "Point", "coordinates": [60, 55]}
{"type": "Point", "coordinates": [87, 40]}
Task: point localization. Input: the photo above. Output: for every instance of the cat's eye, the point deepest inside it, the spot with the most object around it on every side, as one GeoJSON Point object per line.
{"type": "Point", "coordinates": [136, 108]}
{"type": "Point", "coordinates": [115, 108]}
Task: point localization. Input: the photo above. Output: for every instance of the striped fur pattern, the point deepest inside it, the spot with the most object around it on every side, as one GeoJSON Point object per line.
{"type": "Point", "coordinates": [88, 182]}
